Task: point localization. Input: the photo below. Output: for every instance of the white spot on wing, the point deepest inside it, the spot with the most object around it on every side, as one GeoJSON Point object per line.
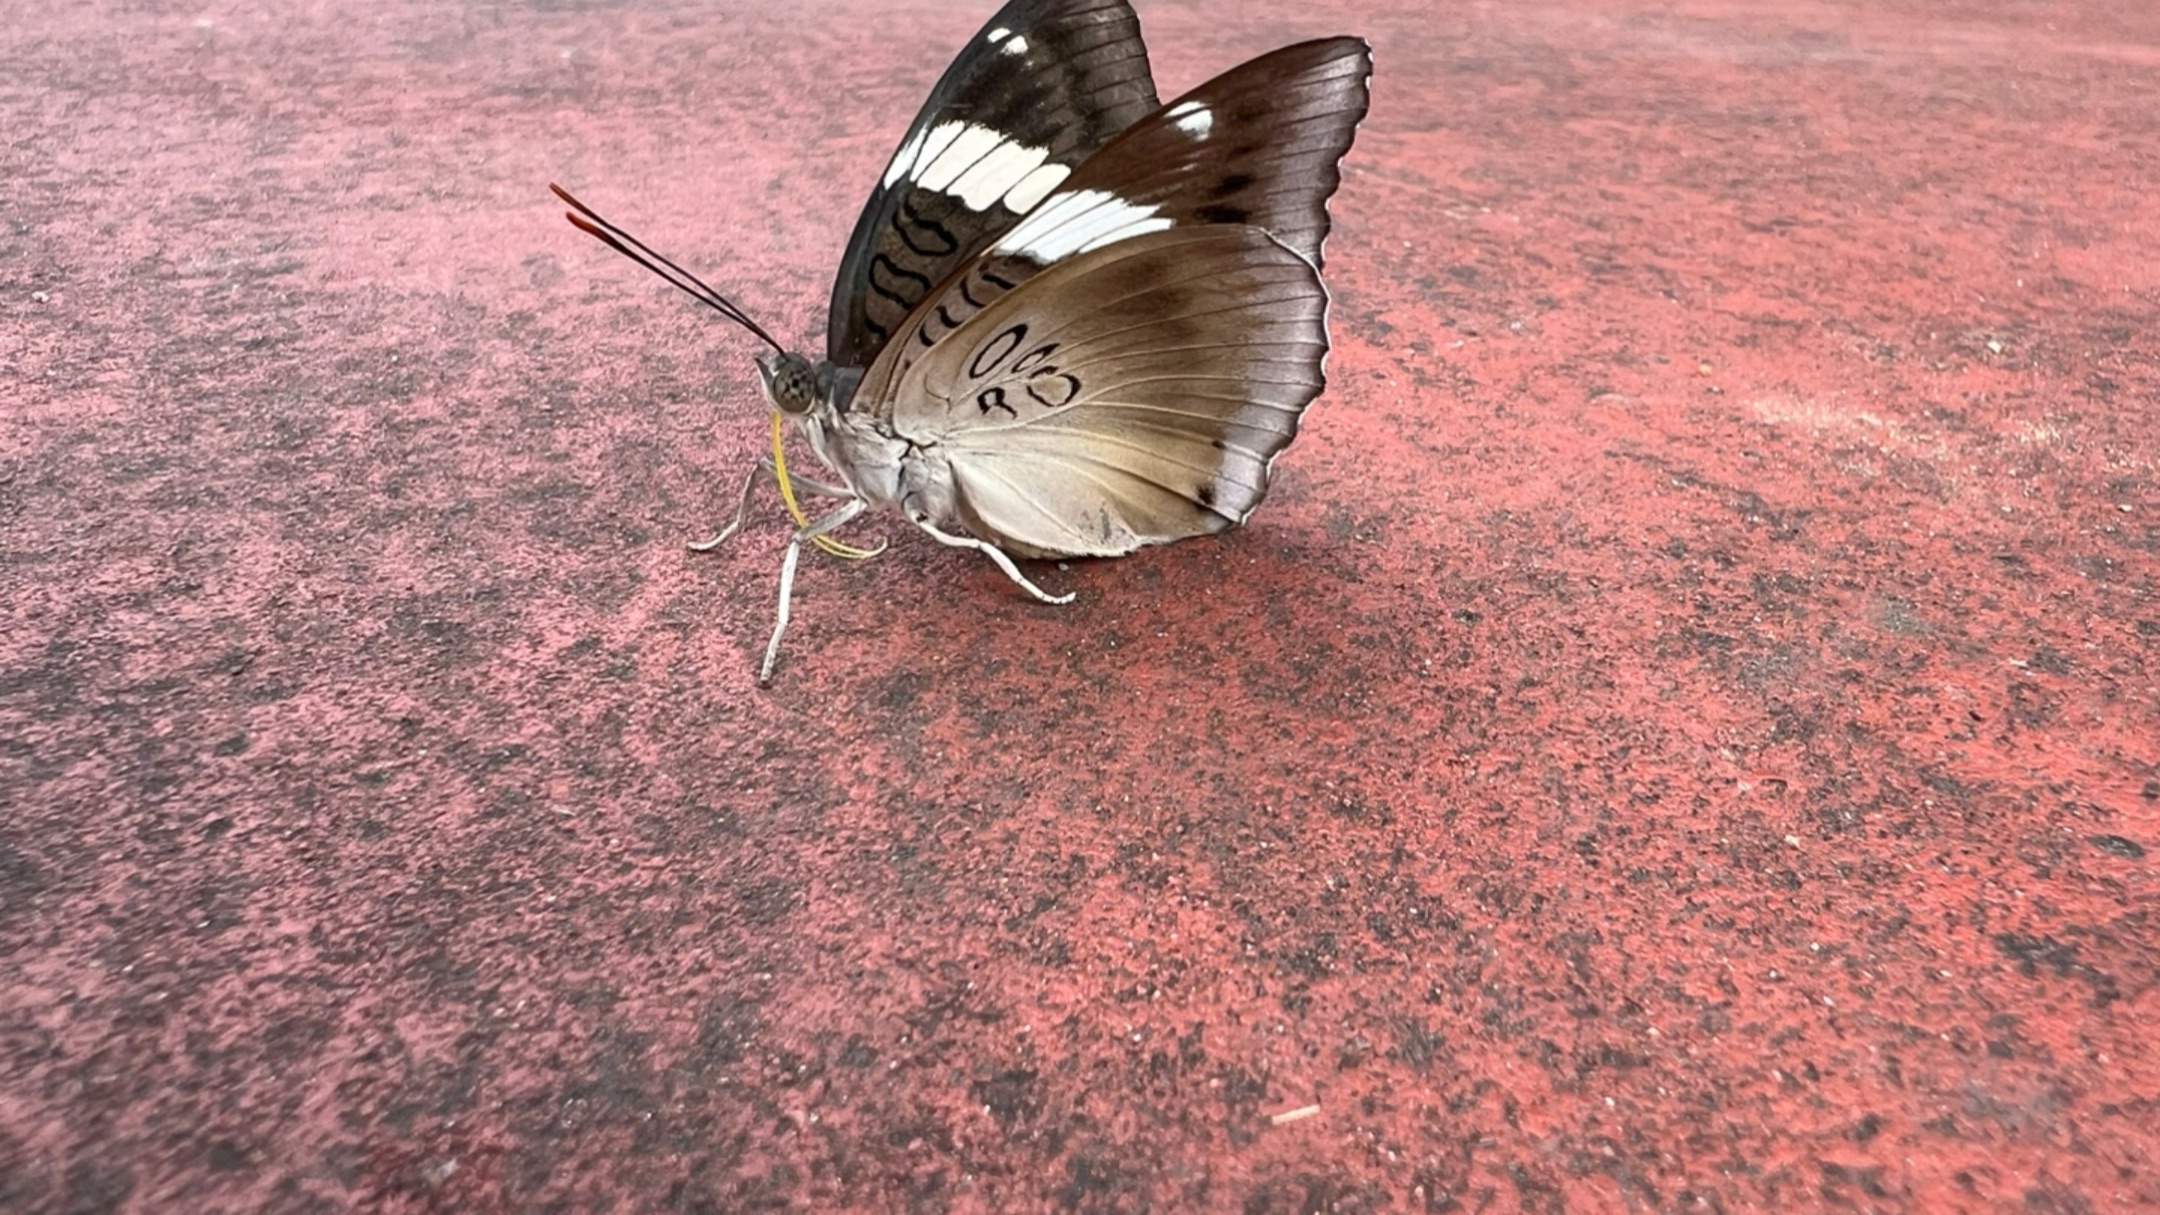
{"type": "Point", "coordinates": [1035, 187]}
{"type": "Point", "coordinates": [904, 159]}
{"type": "Point", "coordinates": [988, 179]}
{"type": "Point", "coordinates": [977, 165]}
{"type": "Point", "coordinates": [1193, 118]}
{"type": "Point", "coordinates": [968, 145]}
{"type": "Point", "coordinates": [998, 34]}
{"type": "Point", "coordinates": [1077, 222]}
{"type": "Point", "coordinates": [1017, 46]}
{"type": "Point", "coordinates": [924, 147]}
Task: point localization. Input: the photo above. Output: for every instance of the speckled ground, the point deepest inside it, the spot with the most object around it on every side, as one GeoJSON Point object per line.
{"type": "Point", "coordinates": [1683, 735]}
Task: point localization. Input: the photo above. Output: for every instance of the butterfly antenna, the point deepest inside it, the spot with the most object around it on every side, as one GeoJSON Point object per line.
{"type": "Point", "coordinates": [589, 221]}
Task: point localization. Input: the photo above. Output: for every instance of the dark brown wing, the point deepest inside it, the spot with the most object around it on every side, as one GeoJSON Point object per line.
{"type": "Point", "coordinates": [1258, 145]}
{"type": "Point", "coordinates": [1032, 94]}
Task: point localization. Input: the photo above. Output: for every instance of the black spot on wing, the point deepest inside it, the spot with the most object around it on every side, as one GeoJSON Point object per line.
{"type": "Point", "coordinates": [1230, 184]}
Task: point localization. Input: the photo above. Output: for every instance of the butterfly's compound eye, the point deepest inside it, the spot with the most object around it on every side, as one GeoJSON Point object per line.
{"type": "Point", "coordinates": [788, 382]}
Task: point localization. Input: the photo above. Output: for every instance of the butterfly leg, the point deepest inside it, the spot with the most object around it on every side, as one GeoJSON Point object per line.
{"type": "Point", "coordinates": [823, 489]}
{"type": "Point", "coordinates": [839, 515]}
{"type": "Point", "coordinates": [764, 469]}
{"type": "Point", "coordinates": [995, 554]}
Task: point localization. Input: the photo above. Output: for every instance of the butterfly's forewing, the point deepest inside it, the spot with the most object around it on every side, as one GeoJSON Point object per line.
{"type": "Point", "coordinates": [1038, 88]}
{"type": "Point", "coordinates": [1257, 145]}
{"type": "Point", "coordinates": [1133, 394]}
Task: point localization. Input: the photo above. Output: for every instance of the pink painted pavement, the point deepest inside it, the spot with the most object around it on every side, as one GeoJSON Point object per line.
{"type": "Point", "coordinates": [1683, 735]}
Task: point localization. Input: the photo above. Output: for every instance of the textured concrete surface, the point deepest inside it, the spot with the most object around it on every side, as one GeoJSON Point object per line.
{"type": "Point", "coordinates": [1682, 736]}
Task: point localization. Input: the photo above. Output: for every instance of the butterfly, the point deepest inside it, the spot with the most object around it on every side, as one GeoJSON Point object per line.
{"type": "Point", "coordinates": [1071, 320]}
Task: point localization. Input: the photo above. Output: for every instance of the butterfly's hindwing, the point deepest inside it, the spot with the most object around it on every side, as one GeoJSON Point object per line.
{"type": "Point", "coordinates": [1039, 87]}
{"type": "Point", "coordinates": [1258, 145]}
{"type": "Point", "coordinates": [1134, 394]}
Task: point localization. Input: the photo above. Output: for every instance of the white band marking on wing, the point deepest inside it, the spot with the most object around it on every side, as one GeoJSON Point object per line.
{"type": "Point", "coordinates": [1072, 223]}
{"type": "Point", "coordinates": [904, 159]}
{"type": "Point", "coordinates": [924, 147]}
{"type": "Point", "coordinates": [990, 178]}
{"type": "Point", "coordinates": [977, 165]}
{"type": "Point", "coordinates": [1035, 187]}
{"type": "Point", "coordinates": [970, 143]}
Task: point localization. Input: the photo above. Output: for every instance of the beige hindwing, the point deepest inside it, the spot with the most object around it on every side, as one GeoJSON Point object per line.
{"type": "Point", "coordinates": [1131, 395]}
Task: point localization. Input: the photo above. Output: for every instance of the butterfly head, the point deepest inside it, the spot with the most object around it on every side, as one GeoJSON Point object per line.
{"type": "Point", "coordinates": [789, 381]}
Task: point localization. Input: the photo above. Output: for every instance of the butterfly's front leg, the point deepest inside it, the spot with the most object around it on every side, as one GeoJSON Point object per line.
{"type": "Point", "coordinates": [823, 489]}
{"type": "Point", "coordinates": [995, 554]}
{"type": "Point", "coordinates": [844, 512]}
{"type": "Point", "coordinates": [764, 469]}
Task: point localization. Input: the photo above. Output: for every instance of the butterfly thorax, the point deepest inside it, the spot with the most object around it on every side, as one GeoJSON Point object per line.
{"type": "Point", "coordinates": [879, 466]}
